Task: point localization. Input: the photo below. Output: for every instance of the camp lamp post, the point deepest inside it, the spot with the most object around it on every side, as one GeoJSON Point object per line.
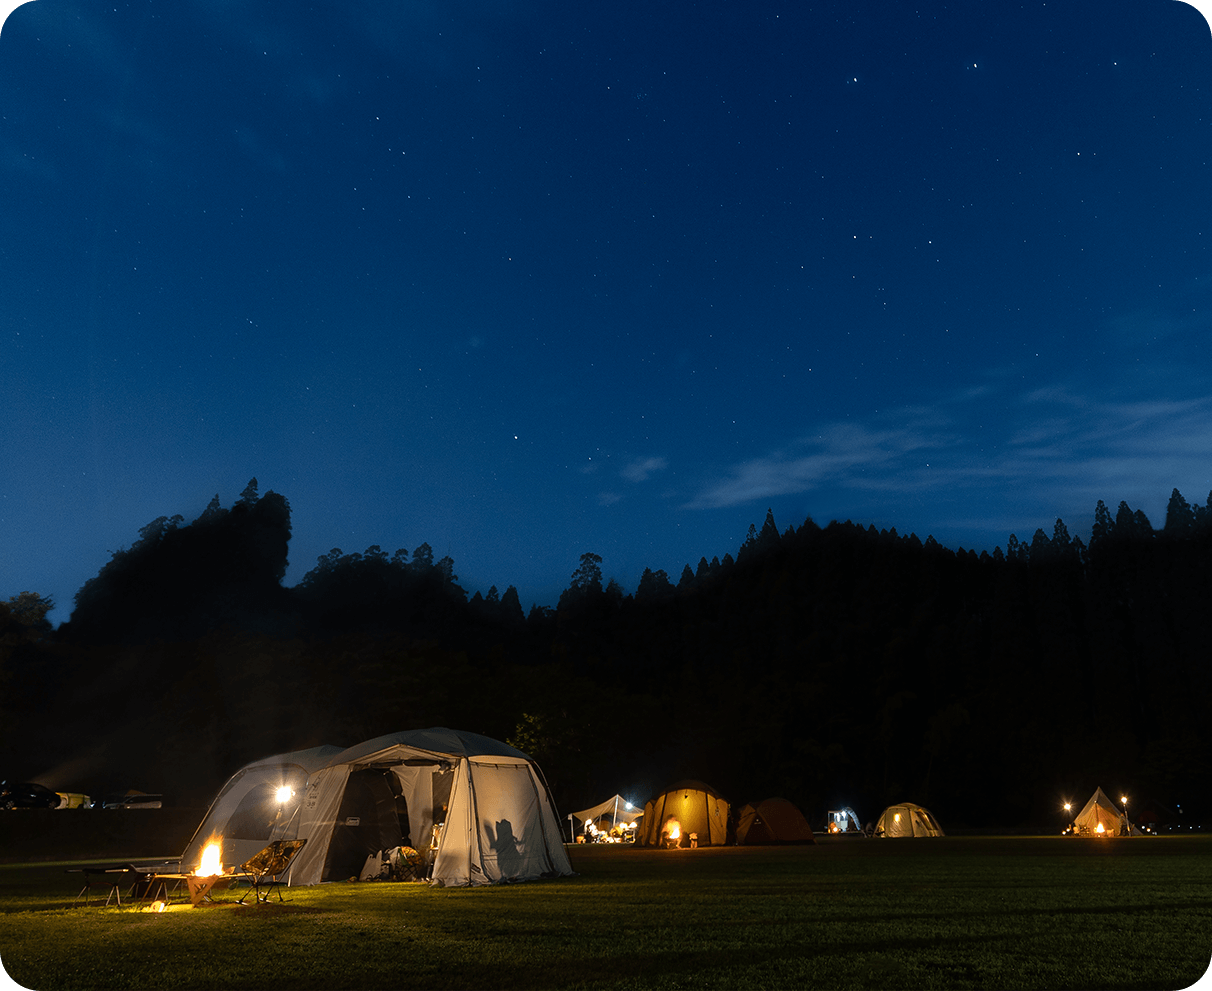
{"type": "Point", "coordinates": [1127, 825]}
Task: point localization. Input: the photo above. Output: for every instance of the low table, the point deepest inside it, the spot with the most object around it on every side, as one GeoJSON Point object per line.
{"type": "Point", "coordinates": [200, 887]}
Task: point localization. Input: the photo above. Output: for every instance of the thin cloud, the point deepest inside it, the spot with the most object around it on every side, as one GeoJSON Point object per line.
{"type": "Point", "coordinates": [640, 469]}
{"type": "Point", "coordinates": [848, 453]}
{"type": "Point", "coordinates": [1056, 445]}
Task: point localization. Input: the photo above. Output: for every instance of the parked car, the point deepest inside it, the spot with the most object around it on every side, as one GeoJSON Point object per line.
{"type": "Point", "coordinates": [27, 795]}
{"type": "Point", "coordinates": [129, 800]}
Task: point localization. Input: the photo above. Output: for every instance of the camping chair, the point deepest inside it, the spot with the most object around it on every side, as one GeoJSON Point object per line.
{"type": "Point", "coordinates": [270, 863]}
{"type": "Point", "coordinates": [110, 877]}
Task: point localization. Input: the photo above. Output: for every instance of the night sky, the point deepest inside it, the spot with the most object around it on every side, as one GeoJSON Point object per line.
{"type": "Point", "coordinates": [525, 280]}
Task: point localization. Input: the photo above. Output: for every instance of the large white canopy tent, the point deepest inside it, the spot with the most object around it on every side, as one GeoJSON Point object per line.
{"type": "Point", "coordinates": [497, 817]}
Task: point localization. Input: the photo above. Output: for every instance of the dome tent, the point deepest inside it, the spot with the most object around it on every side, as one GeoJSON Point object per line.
{"type": "Point", "coordinates": [773, 821]}
{"type": "Point", "coordinates": [907, 819]}
{"type": "Point", "coordinates": [498, 819]}
{"type": "Point", "coordinates": [697, 807]}
{"type": "Point", "coordinates": [255, 802]}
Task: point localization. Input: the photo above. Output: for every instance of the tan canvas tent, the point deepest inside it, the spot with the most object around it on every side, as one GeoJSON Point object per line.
{"type": "Point", "coordinates": [257, 800]}
{"type": "Point", "coordinates": [772, 821]}
{"type": "Point", "coordinates": [697, 808]}
{"type": "Point", "coordinates": [907, 819]}
{"type": "Point", "coordinates": [1102, 817]}
{"type": "Point", "coordinates": [497, 820]}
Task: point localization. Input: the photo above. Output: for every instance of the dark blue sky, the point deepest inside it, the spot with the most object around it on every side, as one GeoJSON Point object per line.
{"type": "Point", "coordinates": [524, 280]}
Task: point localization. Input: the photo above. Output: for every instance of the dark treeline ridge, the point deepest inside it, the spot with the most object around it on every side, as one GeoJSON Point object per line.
{"type": "Point", "coordinates": [835, 665]}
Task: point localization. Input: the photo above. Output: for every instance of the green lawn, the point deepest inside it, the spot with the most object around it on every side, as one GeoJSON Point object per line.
{"type": "Point", "coordinates": [947, 913]}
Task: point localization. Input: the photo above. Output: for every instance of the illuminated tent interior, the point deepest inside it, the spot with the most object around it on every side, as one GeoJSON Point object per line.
{"type": "Point", "coordinates": [1101, 817]}
{"type": "Point", "coordinates": [257, 800]}
{"type": "Point", "coordinates": [616, 808]}
{"type": "Point", "coordinates": [907, 819]}
{"type": "Point", "coordinates": [770, 822]}
{"type": "Point", "coordinates": [697, 807]}
{"type": "Point", "coordinates": [499, 822]}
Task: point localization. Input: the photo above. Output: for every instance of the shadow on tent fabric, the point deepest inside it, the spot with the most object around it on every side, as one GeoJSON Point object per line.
{"type": "Point", "coordinates": [505, 848]}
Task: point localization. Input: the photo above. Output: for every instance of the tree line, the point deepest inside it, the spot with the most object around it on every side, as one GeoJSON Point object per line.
{"type": "Point", "coordinates": [835, 665]}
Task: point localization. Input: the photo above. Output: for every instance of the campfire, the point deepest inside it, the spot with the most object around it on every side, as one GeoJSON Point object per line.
{"type": "Point", "coordinates": [671, 835]}
{"type": "Point", "coordinates": [212, 858]}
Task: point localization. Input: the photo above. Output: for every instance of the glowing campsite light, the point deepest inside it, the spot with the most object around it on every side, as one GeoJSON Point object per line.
{"type": "Point", "coordinates": [1099, 828]}
{"type": "Point", "coordinates": [284, 794]}
{"type": "Point", "coordinates": [212, 860]}
{"type": "Point", "coordinates": [896, 817]}
{"type": "Point", "coordinates": [1068, 807]}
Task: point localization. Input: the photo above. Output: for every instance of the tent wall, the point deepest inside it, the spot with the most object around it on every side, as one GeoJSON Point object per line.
{"type": "Point", "coordinates": [315, 821]}
{"type": "Point", "coordinates": [500, 827]}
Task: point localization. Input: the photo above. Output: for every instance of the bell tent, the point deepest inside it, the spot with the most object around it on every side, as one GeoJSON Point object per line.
{"type": "Point", "coordinates": [774, 821]}
{"type": "Point", "coordinates": [907, 819]}
{"type": "Point", "coordinates": [1102, 817]}
{"type": "Point", "coordinates": [481, 807]}
{"type": "Point", "coordinates": [696, 807]}
{"type": "Point", "coordinates": [256, 802]}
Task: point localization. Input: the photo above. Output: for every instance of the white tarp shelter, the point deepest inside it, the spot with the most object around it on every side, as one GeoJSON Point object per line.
{"type": "Point", "coordinates": [498, 822]}
{"type": "Point", "coordinates": [907, 819]}
{"type": "Point", "coordinates": [1102, 817]}
{"type": "Point", "coordinates": [256, 802]}
{"type": "Point", "coordinates": [617, 807]}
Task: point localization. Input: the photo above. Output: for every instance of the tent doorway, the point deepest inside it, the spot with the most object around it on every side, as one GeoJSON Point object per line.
{"type": "Point", "coordinates": [367, 822]}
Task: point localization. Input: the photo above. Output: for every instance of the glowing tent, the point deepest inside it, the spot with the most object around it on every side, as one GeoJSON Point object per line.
{"type": "Point", "coordinates": [256, 801]}
{"type": "Point", "coordinates": [907, 819]}
{"type": "Point", "coordinates": [497, 819]}
{"type": "Point", "coordinates": [1102, 817]}
{"type": "Point", "coordinates": [696, 807]}
{"type": "Point", "coordinates": [774, 821]}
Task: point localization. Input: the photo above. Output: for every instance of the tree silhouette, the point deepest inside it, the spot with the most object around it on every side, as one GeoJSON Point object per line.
{"type": "Point", "coordinates": [1180, 518]}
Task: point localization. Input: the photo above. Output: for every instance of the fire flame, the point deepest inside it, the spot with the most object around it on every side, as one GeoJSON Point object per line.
{"type": "Point", "coordinates": [673, 829]}
{"type": "Point", "coordinates": [212, 859]}
{"type": "Point", "coordinates": [1099, 828]}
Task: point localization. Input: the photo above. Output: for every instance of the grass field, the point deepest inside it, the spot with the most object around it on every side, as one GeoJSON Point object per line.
{"type": "Point", "coordinates": [942, 913]}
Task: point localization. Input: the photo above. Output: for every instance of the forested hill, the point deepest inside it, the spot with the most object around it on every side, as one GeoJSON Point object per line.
{"type": "Point", "coordinates": [835, 665]}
